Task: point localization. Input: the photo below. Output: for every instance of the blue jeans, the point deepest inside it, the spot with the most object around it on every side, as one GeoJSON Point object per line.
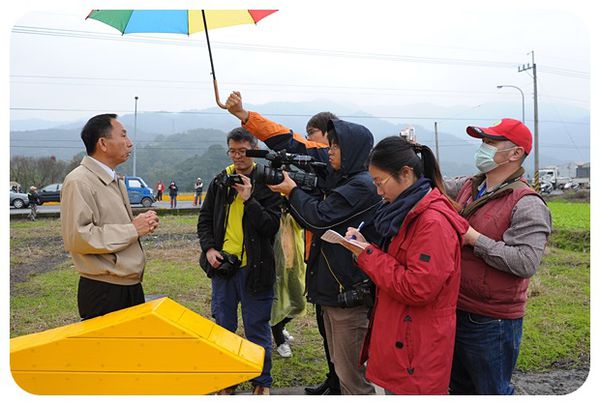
{"type": "Point", "coordinates": [485, 354]}
{"type": "Point", "coordinates": [227, 294]}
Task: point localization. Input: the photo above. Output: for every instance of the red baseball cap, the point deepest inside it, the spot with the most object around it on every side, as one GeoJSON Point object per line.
{"type": "Point", "coordinates": [506, 129]}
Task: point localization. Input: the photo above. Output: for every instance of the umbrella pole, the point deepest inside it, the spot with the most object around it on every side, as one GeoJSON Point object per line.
{"type": "Point", "coordinates": [212, 67]}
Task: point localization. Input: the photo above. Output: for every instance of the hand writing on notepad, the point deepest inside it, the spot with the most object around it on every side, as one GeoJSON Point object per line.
{"type": "Point", "coordinates": [355, 245]}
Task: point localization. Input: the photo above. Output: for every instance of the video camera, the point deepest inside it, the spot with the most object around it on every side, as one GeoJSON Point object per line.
{"type": "Point", "coordinates": [306, 178]}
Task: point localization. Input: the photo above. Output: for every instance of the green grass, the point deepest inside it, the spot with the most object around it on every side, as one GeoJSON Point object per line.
{"type": "Point", "coordinates": [44, 302]}
{"type": "Point", "coordinates": [556, 331]}
{"type": "Point", "coordinates": [571, 225]}
{"type": "Point", "coordinates": [48, 300]}
{"type": "Point", "coordinates": [556, 326]}
{"type": "Point", "coordinates": [569, 216]}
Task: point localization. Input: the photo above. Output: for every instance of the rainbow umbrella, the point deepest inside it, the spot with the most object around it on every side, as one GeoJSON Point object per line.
{"type": "Point", "coordinates": [179, 22]}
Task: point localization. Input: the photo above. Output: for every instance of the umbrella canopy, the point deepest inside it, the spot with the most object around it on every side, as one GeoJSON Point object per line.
{"type": "Point", "coordinates": [178, 22]}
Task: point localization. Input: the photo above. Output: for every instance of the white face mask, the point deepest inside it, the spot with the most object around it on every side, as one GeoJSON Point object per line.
{"type": "Point", "coordinates": [484, 157]}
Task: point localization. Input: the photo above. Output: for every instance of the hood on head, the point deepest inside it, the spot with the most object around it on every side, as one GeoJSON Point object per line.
{"type": "Point", "coordinates": [356, 141]}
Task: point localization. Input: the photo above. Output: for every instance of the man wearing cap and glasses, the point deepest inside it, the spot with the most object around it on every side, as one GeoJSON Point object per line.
{"type": "Point", "coordinates": [509, 226]}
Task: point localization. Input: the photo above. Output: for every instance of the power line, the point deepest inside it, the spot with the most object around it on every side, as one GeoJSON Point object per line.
{"type": "Point", "coordinates": [45, 31]}
{"type": "Point", "coordinates": [277, 86]}
{"type": "Point", "coordinates": [408, 118]}
{"type": "Point", "coordinates": [445, 145]}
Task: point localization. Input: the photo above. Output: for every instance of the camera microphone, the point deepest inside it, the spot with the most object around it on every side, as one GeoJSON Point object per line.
{"type": "Point", "coordinates": [257, 153]}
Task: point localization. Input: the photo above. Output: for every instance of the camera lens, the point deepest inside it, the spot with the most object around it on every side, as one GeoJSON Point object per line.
{"type": "Point", "coordinates": [268, 175]}
{"type": "Point", "coordinates": [349, 299]}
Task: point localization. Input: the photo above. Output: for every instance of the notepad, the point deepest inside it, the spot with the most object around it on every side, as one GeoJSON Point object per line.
{"type": "Point", "coordinates": [332, 236]}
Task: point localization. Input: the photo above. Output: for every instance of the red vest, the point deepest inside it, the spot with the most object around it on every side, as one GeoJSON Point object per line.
{"type": "Point", "coordinates": [485, 290]}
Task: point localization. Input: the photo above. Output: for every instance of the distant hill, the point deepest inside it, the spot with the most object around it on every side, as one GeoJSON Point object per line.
{"type": "Point", "coordinates": [33, 124]}
{"type": "Point", "coordinates": [59, 142]}
{"type": "Point", "coordinates": [168, 138]}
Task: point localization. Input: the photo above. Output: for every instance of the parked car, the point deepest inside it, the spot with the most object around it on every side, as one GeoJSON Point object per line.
{"type": "Point", "coordinates": [138, 191]}
{"type": "Point", "coordinates": [50, 193]}
{"type": "Point", "coordinates": [18, 200]}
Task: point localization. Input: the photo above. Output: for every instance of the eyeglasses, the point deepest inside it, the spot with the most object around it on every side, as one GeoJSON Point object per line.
{"type": "Point", "coordinates": [237, 152]}
{"type": "Point", "coordinates": [380, 184]}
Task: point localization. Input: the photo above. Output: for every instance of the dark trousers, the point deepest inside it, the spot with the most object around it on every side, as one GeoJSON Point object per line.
{"type": "Point", "coordinates": [485, 354]}
{"type": "Point", "coordinates": [332, 379]}
{"type": "Point", "coordinates": [278, 331]}
{"type": "Point", "coordinates": [198, 197]}
{"type": "Point", "coordinates": [227, 294]}
{"type": "Point", "coordinates": [96, 298]}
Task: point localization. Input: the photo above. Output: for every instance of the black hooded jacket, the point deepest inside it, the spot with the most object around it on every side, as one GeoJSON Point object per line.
{"type": "Point", "coordinates": [260, 223]}
{"type": "Point", "coordinates": [351, 198]}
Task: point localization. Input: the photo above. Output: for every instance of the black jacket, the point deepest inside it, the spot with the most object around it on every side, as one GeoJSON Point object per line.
{"type": "Point", "coordinates": [34, 198]}
{"type": "Point", "coordinates": [351, 199]}
{"type": "Point", "coordinates": [260, 223]}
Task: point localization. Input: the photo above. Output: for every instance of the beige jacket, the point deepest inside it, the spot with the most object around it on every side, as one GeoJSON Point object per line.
{"type": "Point", "coordinates": [96, 226]}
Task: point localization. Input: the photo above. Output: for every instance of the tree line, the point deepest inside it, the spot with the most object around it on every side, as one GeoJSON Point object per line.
{"type": "Point", "coordinates": [152, 167]}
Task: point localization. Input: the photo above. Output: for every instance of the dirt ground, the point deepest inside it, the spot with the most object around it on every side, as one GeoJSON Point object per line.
{"type": "Point", "coordinates": [555, 382]}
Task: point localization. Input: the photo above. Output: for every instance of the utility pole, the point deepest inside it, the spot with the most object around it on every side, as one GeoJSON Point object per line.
{"type": "Point", "coordinates": [135, 135]}
{"type": "Point", "coordinates": [437, 149]}
{"type": "Point", "coordinates": [536, 174]}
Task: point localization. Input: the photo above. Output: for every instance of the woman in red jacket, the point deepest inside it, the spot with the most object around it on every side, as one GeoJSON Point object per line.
{"type": "Point", "coordinates": [414, 262]}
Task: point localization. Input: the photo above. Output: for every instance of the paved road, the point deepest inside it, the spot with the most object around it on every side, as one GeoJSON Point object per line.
{"type": "Point", "coordinates": [54, 208]}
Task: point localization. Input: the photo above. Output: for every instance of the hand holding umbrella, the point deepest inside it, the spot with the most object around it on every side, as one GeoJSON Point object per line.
{"type": "Point", "coordinates": [179, 22]}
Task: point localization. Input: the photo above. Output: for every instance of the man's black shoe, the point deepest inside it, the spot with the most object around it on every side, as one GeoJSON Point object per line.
{"type": "Point", "coordinates": [318, 390]}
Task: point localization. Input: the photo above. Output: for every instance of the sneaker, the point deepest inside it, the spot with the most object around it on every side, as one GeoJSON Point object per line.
{"type": "Point", "coordinates": [287, 336]}
{"type": "Point", "coordinates": [284, 350]}
{"type": "Point", "coordinates": [260, 390]}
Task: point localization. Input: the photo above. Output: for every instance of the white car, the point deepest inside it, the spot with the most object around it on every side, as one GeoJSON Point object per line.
{"type": "Point", "coordinates": [18, 200]}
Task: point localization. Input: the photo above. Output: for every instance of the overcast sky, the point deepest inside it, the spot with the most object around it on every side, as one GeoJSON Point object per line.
{"type": "Point", "coordinates": [376, 55]}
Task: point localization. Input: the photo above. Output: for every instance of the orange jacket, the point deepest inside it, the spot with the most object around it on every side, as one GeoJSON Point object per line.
{"type": "Point", "coordinates": [279, 137]}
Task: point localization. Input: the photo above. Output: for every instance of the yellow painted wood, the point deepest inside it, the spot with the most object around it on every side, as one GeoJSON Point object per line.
{"type": "Point", "coordinates": [127, 383]}
{"type": "Point", "coordinates": [159, 347]}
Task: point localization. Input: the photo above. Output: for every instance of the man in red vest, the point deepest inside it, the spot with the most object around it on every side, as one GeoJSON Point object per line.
{"type": "Point", "coordinates": [509, 227]}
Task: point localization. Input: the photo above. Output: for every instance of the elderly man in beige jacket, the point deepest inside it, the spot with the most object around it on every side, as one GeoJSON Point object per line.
{"type": "Point", "coordinates": [98, 226]}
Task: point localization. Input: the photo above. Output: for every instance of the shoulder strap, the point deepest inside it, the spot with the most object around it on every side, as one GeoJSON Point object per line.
{"type": "Point", "coordinates": [470, 208]}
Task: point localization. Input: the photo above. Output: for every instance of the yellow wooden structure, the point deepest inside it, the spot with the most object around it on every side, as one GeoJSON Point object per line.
{"type": "Point", "coordinates": [159, 347]}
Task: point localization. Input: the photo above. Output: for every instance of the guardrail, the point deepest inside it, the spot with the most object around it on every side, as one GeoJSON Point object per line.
{"type": "Point", "coordinates": [136, 210]}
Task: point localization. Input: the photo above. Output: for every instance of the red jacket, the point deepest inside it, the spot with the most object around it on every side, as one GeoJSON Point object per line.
{"type": "Point", "coordinates": [411, 340]}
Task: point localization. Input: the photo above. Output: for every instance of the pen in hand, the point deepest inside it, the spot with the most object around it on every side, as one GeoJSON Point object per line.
{"type": "Point", "coordinates": [358, 229]}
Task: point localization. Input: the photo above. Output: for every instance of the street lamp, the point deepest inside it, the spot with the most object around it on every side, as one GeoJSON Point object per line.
{"type": "Point", "coordinates": [135, 136]}
{"type": "Point", "coordinates": [522, 99]}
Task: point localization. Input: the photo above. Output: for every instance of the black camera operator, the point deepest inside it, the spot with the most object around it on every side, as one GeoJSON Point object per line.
{"type": "Point", "coordinates": [237, 225]}
{"type": "Point", "coordinates": [333, 277]}
{"type": "Point", "coordinates": [279, 137]}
